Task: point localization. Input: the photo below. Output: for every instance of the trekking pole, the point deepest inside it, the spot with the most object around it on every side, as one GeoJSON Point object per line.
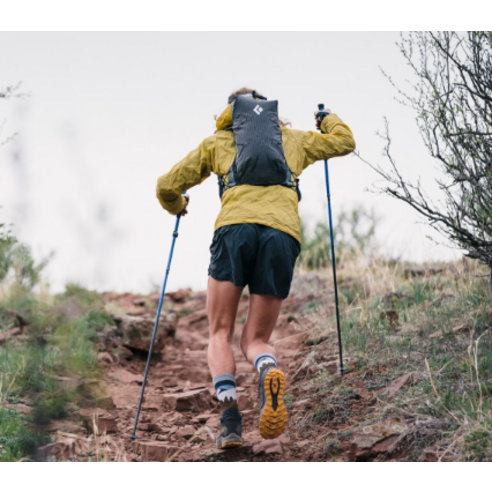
{"type": "Point", "coordinates": [321, 107]}
{"type": "Point", "coordinates": [156, 324]}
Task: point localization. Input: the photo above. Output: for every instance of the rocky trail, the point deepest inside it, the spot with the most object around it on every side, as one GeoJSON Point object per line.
{"type": "Point", "coordinates": [180, 413]}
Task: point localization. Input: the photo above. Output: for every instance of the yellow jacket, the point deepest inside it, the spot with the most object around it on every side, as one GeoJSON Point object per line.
{"type": "Point", "coordinates": [273, 206]}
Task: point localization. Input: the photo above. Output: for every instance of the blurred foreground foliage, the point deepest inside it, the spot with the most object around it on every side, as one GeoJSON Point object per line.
{"type": "Point", "coordinates": [48, 360]}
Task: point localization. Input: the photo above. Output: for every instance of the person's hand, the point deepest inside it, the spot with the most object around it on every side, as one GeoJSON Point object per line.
{"type": "Point", "coordinates": [185, 210]}
{"type": "Point", "coordinates": [317, 115]}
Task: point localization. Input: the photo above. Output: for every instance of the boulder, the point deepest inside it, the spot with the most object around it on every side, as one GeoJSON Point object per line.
{"type": "Point", "coordinates": [180, 295]}
{"type": "Point", "coordinates": [375, 439]}
{"type": "Point", "coordinates": [98, 420]}
{"type": "Point", "coordinates": [199, 399]}
{"type": "Point", "coordinates": [136, 331]}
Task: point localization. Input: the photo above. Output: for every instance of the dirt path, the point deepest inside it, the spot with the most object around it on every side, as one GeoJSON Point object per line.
{"type": "Point", "coordinates": [329, 418]}
{"type": "Point", "coordinates": [180, 412]}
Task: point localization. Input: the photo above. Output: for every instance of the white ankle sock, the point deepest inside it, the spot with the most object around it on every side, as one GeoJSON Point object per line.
{"type": "Point", "coordinates": [263, 360]}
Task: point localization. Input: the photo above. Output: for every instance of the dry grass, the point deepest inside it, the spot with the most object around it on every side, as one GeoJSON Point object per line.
{"type": "Point", "coordinates": [396, 320]}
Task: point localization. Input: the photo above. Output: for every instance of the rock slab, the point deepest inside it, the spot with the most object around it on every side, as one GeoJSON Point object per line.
{"type": "Point", "coordinates": [199, 399]}
{"type": "Point", "coordinates": [272, 446]}
{"type": "Point", "coordinates": [98, 420]}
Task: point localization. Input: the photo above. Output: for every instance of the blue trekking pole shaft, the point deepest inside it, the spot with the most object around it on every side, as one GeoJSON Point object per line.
{"type": "Point", "coordinates": [321, 107]}
{"type": "Point", "coordinates": [156, 325]}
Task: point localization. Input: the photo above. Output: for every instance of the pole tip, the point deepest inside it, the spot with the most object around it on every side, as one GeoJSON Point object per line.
{"type": "Point", "coordinates": [133, 437]}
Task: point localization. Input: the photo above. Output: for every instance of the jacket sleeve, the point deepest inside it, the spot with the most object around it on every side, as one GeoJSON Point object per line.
{"type": "Point", "coordinates": [337, 140]}
{"type": "Point", "coordinates": [191, 171]}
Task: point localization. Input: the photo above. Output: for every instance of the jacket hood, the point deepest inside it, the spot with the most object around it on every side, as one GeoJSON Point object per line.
{"type": "Point", "coordinates": [225, 119]}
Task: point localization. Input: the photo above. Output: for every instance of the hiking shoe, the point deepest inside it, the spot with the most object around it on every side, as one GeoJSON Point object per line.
{"type": "Point", "coordinates": [273, 414]}
{"type": "Point", "coordinates": [229, 435]}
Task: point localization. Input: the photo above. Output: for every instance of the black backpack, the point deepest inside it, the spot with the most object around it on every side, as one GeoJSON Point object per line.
{"type": "Point", "coordinates": [260, 159]}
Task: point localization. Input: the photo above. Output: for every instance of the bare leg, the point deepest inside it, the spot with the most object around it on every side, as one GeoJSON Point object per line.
{"type": "Point", "coordinates": [262, 317]}
{"type": "Point", "coordinates": [222, 304]}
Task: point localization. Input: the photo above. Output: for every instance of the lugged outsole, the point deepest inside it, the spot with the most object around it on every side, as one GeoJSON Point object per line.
{"type": "Point", "coordinates": [233, 443]}
{"type": "Point", "coordinates": [273, 421]}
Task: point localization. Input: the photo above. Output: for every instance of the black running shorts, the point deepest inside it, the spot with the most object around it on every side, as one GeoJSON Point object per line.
{"type": "Point", "coordinates": [255, 255]}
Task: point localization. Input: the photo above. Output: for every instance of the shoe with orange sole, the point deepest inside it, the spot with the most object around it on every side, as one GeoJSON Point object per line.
{"type": "Point", "coordinates": [273, 414]}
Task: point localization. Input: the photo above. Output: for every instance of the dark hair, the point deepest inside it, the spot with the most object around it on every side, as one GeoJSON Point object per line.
{"type": "Point", "coordinates": [242, 92]}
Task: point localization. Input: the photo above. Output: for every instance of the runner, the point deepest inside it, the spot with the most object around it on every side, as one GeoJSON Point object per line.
{"type": "Point", "coordinates": [257, 159]}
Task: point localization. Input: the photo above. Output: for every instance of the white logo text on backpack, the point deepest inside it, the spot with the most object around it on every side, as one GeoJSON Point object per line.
{"type": "Point", "coordinates": [258, 110]}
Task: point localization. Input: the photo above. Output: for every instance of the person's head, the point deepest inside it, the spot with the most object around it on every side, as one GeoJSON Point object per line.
{"type": "Point", "coordinates": [242, 92]}
{"type": "Point", "coordinates": [246, 90]}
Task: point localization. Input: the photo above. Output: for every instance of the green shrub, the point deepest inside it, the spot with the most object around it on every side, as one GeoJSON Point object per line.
{"type": "Point", "coordinates": [17, 439]}
{"type": "Point", "coordinates": [354, 232]}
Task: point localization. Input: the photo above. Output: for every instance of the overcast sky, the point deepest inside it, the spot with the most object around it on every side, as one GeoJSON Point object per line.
{"type": "Point", "coordinates": [107, 113]}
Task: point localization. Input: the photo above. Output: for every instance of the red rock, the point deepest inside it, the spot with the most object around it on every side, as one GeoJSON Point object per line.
{"type": "Point", "coordinates": [246, 379]}
{"type": "Point", "coordinates": [272, 446]}
{"type": "Point", "coordinates": [331, 367]}
{"type": "Point", "coordinates": [105, 357]}
{"type": "Point", "coordinates": [291, 342]}
{"type": "Point", "coordinates": [364, 394]}
{"type": "Point", "coordinates": [98, 420]}
{"type": "Point", "coordinates": [180, 295]}
{"type": "Point", "coordinates": [154, 450]}
{"type": "Point", "coordinates": [199, 399]}
{"type": "Point", "coordinates": [213, 422]}
{"type": "Point", "coordinates": [126, 377]}
{"type": "Point", "coordinates": [136, 311]}
{"type": "Point", "coordinates": [186, 432]}
{"type": "Point", "coordinates": [122, 351]}
{"type": "Point", "coordinates": [244, 402]}
{"type": "Point", "coordinates": [430, 455]}
{"type": "Point", "coordinates": [195, 317]}
{"type": "Point", "coordinates": [397, 384]}
{"type": "Point", "coordinates": [303, 403]}
{"type": "Point", "coordinates": [384, 446]}
{"type": "Point", "coordinates": [284, 439]}
{"type": "Point", "coordinates": [170, 381]}
{"type": "Point", "coordinates": [61, 450]}
{"type": "Point", "coordinates": [375, 439]}
{"type": "Point", "coordinates": [202, 418]}
{"type": "Point", "coordinates": [105, 402]}
{"type": "Point", "coordinates": [137, 330]}
{"type": "Point", "coordinates": [304, 443]}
